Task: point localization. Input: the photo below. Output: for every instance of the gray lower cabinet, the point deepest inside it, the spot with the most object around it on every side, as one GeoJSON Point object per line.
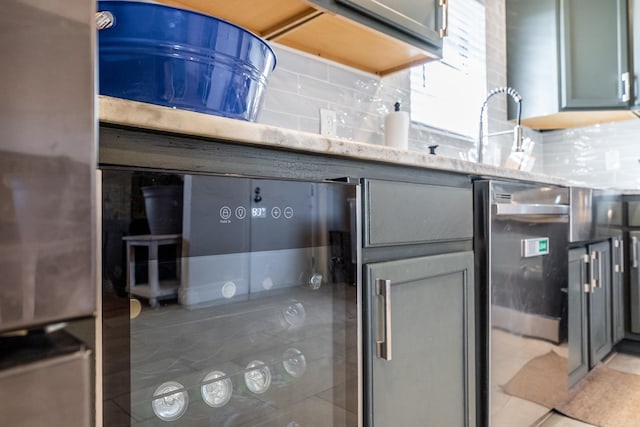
{"type": "Point", "coordinates": [421, 353]}
{"type": "Point", "coordinates": [600, 331]}
{"type": "Point", "coordinates": [617, 287]}
{"type": "Point", "coordinates": [634, 281]}
{"type": "Point", "coordinates": [578, 311]}
{"type": "Point", "coordinates": [590, 307]}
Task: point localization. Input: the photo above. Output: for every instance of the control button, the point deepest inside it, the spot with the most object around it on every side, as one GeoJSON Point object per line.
{"type": "Point", "coordinates": [241, 212]}
{"type": "Point", "coordinates": [276, 212]}
{"type": "Point", "coordinates": [225, 212]}
{"type": "Point", "coordinates": [288, 212]}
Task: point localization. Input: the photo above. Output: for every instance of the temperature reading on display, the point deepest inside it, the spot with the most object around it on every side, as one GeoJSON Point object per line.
{"type": "Point", "coordinates": [258, 212]}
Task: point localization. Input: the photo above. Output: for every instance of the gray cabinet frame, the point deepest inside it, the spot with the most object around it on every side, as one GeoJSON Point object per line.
{"type": "Point", "coordinates": [578, 312]}
{"type": "Point", "coordinates": [600, 331]}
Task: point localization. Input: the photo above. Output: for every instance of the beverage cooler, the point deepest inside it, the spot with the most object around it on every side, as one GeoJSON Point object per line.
{"type": "Point", "coordinates": [230, 300]}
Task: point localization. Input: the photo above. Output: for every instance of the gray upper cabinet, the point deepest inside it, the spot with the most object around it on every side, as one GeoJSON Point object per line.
{"type": "Point", "coordinates": [418, 18]}
{"type": "Point", "coordinates": [634, 10]}
{"type": "Point", "coordinates": [593, 54]}
{"type": "Point", "coordinates": [568, 58]}
{"type": "Point", "coordinates": [422, 353]}
{"type": "Point", "coordinates": [422, 23]}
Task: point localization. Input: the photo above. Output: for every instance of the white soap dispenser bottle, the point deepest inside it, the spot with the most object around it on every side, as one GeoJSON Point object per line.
{"type": "Point", "coordinates": [396, 128]}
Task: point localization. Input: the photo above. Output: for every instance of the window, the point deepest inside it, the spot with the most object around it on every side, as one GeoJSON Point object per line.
{"type": "Point", "coordinates": [448, 94]}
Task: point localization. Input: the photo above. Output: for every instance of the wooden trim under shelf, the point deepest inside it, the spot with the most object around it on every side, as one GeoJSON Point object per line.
{"type": "Point", "coordinates": [341, 40]}
{"type": "Point", "coordinates": [574, 119]}
{"type": "Point", "coordinates": [303, 26]}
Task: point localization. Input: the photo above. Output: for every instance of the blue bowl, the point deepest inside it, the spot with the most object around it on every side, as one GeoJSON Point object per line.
{"type": "Point", "coordinates": [178, 58]}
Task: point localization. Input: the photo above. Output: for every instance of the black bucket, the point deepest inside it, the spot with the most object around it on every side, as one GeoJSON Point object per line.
{"type": "Point", "coordinates": [163, 204]}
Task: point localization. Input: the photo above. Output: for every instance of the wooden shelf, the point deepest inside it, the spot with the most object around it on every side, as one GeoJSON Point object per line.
{"type": "Point", "coordinates": [305, 27]}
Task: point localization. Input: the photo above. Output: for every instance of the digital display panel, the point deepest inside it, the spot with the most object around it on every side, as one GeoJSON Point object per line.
{"type": "Point", "coordinates": [258, 212]}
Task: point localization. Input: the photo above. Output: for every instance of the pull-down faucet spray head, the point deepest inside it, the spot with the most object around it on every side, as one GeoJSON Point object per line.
{"type": "Point", "coordinates": [517, 130]}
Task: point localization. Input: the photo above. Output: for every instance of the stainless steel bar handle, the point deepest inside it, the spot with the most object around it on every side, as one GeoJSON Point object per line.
{"type": "Point", "coordinates": [634, 252]}
{"type": "Point", "coordinates": [587, 286]}
{"type": "Point", "coordinates": [619, 263]}
{"type": "Point", "coordinates": [444, 30]}
{"type": "Point", "coordinates": [531, 209]}
{"type": "Point", "coordinates": [600, 276]}
{"type": "Point", "coordinates": [592, 270]}
{"type": "Point", "coordinates": [621, 255]}
{"type": "Point", "coordinates": [626, 91]}
{"type": "Point", "coordinates": [383, 346]}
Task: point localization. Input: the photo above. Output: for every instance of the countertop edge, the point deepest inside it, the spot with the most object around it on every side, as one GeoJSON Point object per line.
{"type": "Point", "coordinates": [152, 117]}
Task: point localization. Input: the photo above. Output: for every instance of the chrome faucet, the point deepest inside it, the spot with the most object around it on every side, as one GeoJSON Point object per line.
{"type": "Point", "coordinates": [517, 130]}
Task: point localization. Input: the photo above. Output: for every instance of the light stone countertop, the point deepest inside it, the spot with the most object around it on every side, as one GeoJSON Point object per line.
{"type": "Point", "coordinates": [157, 118]}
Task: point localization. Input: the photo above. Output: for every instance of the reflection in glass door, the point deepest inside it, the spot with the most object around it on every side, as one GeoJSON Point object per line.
{"type": "Point", "coordinates": [247, 309]}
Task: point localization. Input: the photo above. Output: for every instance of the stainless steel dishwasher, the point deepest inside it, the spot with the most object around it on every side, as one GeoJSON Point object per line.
{"type": "Point", "coordinates": [521, 242]}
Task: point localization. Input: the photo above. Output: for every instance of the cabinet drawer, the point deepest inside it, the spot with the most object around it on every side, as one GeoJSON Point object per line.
{"type": "Point", "coordinates": [399, 213]}
{"type": "Point", "coordinates": [609, 213]}
{"type": "Point", "coordinates": [633, 212]}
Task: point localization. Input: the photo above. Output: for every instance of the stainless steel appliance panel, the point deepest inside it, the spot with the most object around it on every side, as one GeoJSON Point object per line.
{"type": "Point", "coordinates": [47, 162]}
{"type": "Point", "coordinates": [521, 243]}
{"type": "Point", "coordinates": [581, 222]}
{"type": "Point", "coordinates": [45, 380]}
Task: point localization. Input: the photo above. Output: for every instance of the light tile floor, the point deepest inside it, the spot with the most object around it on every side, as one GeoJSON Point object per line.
{"type": "Point", "coordinates": [510, 352]}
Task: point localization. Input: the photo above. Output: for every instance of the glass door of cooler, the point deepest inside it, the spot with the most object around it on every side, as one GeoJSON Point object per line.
{"type": "Point", "coordinates": [244, 302]}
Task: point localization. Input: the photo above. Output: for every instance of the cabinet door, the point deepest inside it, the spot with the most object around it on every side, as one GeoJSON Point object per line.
{"type": "Point", "coordinates": [593, 54]}
{"type": "Point", "coordinates": [635, 43]}
{"type": "Point", "coordinates": [418, 18]}
{"type": "Point", "coordinates": [599, 302]}
{"type": "Point", "coordinates": [634, 281]}
{"type": "Point", "coordinates": [578, 338]}
{"type": "Point", "coordinates": [617, 295]}
{"type": "Point", "coordinates": [421, 339]}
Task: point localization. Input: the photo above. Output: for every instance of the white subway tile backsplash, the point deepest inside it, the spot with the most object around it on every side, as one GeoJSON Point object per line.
{"type": "Point", "coordinates": [277, 118]}
{"type": "Point", "coordinates": [309, 125]}
{"type": "Point", "coordinates": [283, 79]}
{"type": "Point", "coordinates": [302, 84]}
{"type": "Point", "coordinates": [290, 103]}
{"type": "Point", "coordinates": [300, 63]}
{"type": "Point", "coordinates": [588, 155]}
{"type": "Point", "coordinates": [353, 79]}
